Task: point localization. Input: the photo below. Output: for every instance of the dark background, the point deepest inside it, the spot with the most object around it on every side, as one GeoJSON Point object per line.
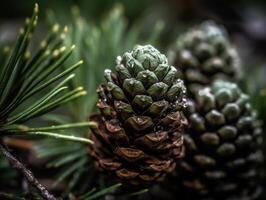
{"type": "Point", "coordinates": [245, 20]}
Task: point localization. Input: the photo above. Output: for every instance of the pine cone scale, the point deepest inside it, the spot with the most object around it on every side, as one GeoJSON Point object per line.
{"type": "Point", "coordinates": [205, 55]}
{"type": "Point", "coordinates": [141, 121]}
{"type": "Point", "coordinates": [219, 157]}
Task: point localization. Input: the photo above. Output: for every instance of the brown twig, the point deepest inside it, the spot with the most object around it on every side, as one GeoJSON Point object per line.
{"type": "Point", "coordinates": [27, 173]}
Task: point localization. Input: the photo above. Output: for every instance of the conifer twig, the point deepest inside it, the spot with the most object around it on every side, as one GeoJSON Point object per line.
{"type": "Point", "coordinates": [27, 173]}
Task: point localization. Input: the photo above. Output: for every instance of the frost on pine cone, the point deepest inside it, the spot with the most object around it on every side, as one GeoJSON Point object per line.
{"type": "Point", "coordinates": [139, 133]}
{"type": "Point", "coordinates": [205, 54]}
{"type": "Point", "coordinates": [223, 153]}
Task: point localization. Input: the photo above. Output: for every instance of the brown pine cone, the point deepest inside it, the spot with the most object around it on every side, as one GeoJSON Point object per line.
{"type": "Point", "coordinates": [139, 133]}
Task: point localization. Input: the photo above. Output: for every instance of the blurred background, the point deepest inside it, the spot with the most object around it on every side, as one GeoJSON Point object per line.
{"type": "Point", "coordinates": [244, 19]}
{"type": "Point", "coordinates": [104, 29]}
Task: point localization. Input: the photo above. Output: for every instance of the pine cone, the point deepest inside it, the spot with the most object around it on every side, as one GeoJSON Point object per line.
{"type": "Point", "coordinates": [205, 54]}
{"type": "Point", "coordinates": [223, 145]}
{"type": "Point", "coordinates": [139, 133]}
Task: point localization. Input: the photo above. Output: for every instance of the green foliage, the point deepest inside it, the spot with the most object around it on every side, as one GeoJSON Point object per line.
{"type": "Point", "coordinates": [29, 196]}
{"type": "Point", "coordinates": [23, 76]}
{"type": "Point", "coordinates": [94, 194]}
{"type": "Point", "coordinates": [71, 160]}
{"type": "Point", "coordinates": [255, 86]}
{"type": "Point", "coordinates": [98, 45]}
{"type": "Point", "coordinates": [32, 85]}
{"type": "Point", "coordinates": [6, 173]}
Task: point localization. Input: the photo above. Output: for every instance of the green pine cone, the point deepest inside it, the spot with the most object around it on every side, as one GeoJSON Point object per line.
{"type": "Point", "coordinates": [205, 54]}
{"type": "Point", "coordinates": [223, 145]}
{"type": "Point", "coordinates": [139, 133]}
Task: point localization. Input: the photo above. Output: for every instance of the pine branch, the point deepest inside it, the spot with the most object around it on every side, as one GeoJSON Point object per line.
{"type": "Point", "coordinates": [92, 194]}
{"type": "Point", "coordinates": [8, 196]}
{"type": "Point", "coordinates": [92, 42]}
{"type": "Point", "coordinates": [22, 76]}
{"type": "Point", "coordinates": [21, 130]}
{"type": "Point", "coordinates": [27, 173]}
